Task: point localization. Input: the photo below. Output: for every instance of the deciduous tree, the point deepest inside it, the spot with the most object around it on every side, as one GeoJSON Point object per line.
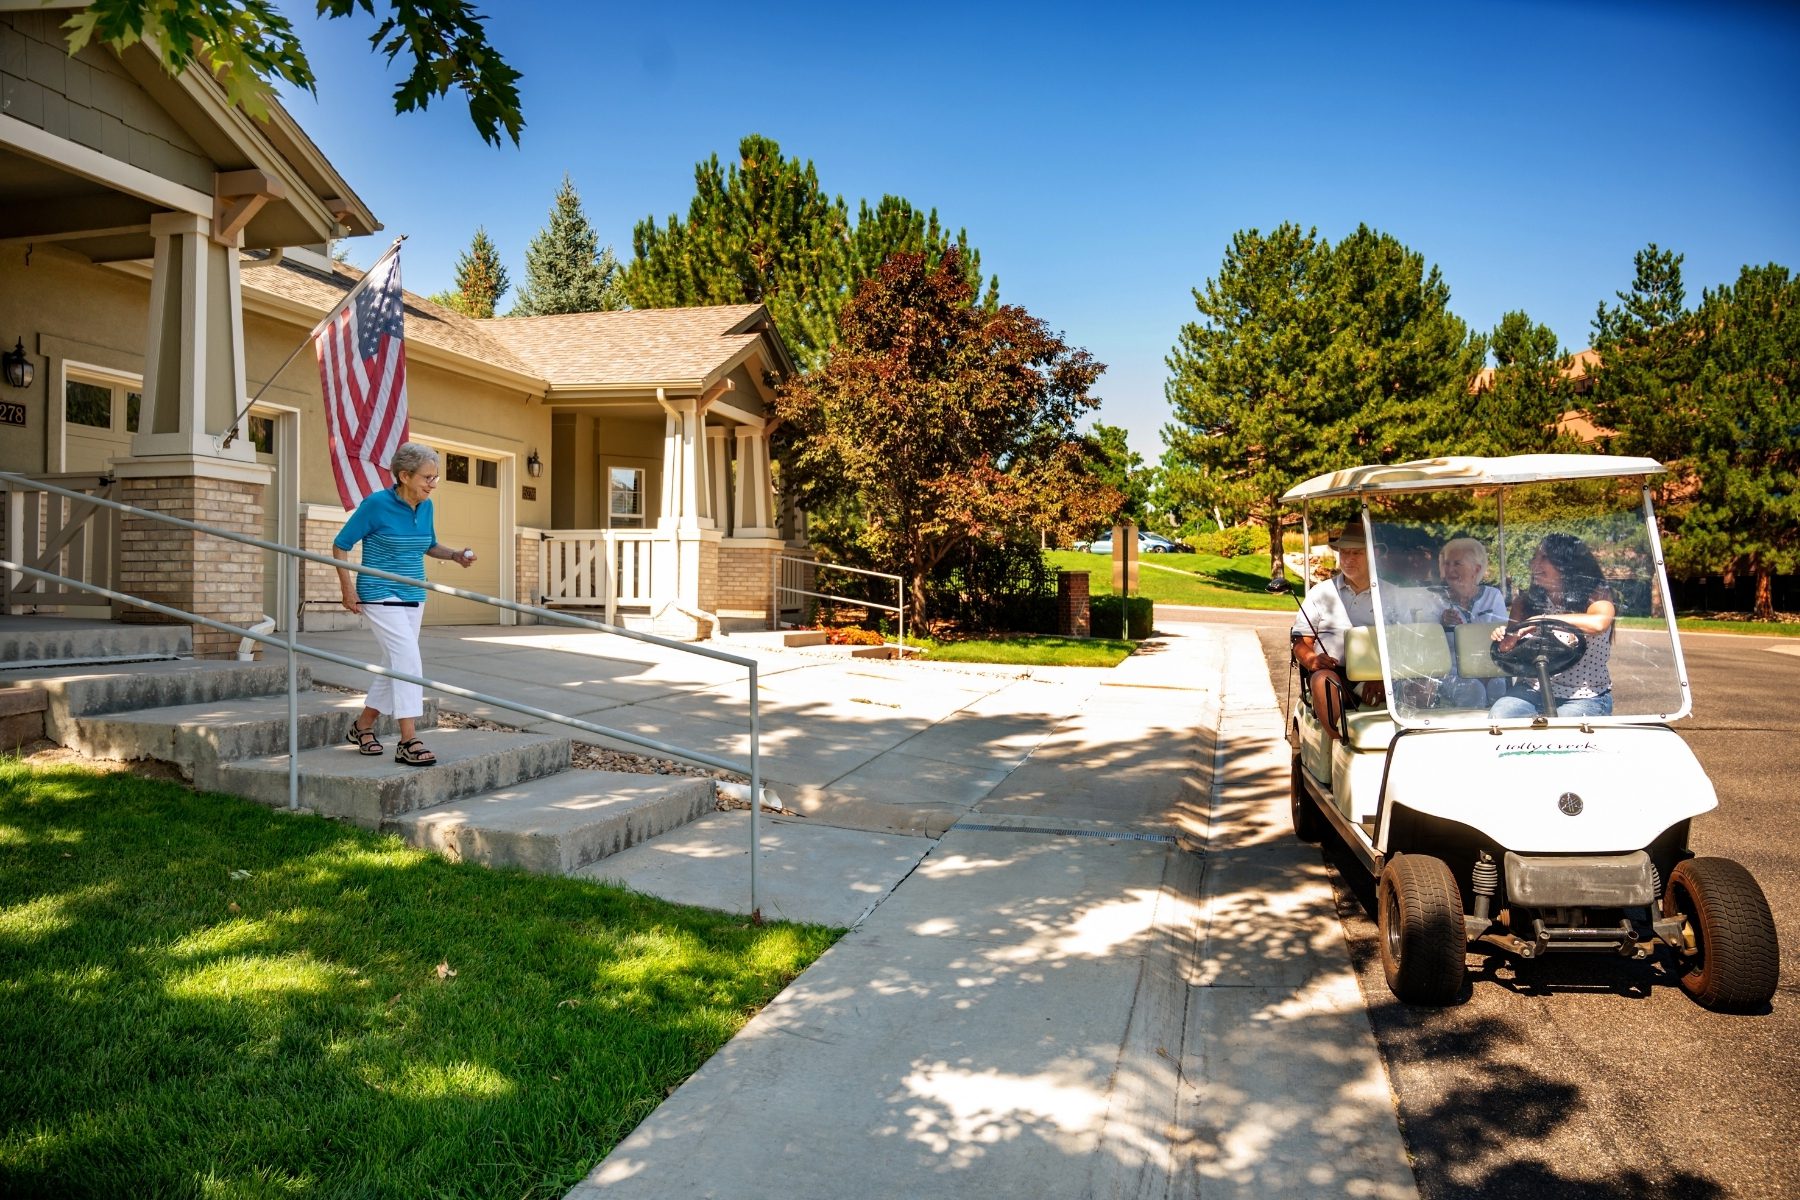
{"type": "Point", "coordinates": [943, 422]}
{"type": "Point", "coordinates": [1121, 469]}
{"type": "Point", "coordinates": [247, 44]}
{"type": "Point", "coordinates": [565, 269]}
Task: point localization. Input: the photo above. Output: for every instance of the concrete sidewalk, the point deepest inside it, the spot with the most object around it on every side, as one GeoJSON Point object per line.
{"type": "Point", "coordinates": [1116, 973]}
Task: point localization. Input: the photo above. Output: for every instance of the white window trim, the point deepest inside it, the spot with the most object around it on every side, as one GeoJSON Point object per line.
{"type": "Point", "coordinates": [57, 418]}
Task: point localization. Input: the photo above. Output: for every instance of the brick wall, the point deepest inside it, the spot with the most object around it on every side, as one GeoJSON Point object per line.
{"type": "Point", "coordinates": [709, 575]}
{"type": "Point", "coordinates": [744, 577]}
{"type": "Point", "coordinates": [528, 554]}
{"type": "Point", "coordinates": [193, 571]}
{"type": "Point", "coordinates": [1072, 603]}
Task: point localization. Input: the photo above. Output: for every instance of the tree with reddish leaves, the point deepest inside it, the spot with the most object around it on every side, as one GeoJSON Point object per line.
{"type": "Point", "coordinates": [942, 423]}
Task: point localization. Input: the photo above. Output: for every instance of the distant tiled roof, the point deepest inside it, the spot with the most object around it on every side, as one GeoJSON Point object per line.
{"type": "Point", "coordinates": [1575, 370]}
{"type": "Point", "coordinates": [649, 346]}
{"type": "Point", "coordinates": [427, 323]}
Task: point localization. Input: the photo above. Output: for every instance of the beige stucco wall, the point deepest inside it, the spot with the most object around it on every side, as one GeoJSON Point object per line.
{"type": "Point", "coordinates": [592, 443]}
{"type": "Point", "coordinates": [91, 100]}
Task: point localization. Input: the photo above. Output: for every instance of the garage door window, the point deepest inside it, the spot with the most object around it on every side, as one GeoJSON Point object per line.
{"type": "Point", "coordinates": [112, 407]}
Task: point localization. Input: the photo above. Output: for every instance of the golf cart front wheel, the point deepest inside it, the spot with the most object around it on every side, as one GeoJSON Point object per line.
{"type": "Point", "coordinates": [1732, 961]}
{"type": "Point", "coordinates": [1423, 940]}
{"type": "Point", "coordinates": [1309, 823]}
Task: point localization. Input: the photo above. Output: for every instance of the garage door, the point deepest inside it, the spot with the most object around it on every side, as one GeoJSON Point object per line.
{"type": "Point", "coordinates": [467, 511]}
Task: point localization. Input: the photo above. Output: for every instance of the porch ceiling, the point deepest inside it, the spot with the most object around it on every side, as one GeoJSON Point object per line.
{"type": "Point", "coordinates": [40, 202]}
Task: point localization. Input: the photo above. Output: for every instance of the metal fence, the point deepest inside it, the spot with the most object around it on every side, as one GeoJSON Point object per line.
{"type": "Point", "coordinates": [796, 581]}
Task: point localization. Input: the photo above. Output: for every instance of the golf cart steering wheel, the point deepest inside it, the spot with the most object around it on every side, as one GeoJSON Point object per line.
{"type": "Point", "coordinates": [1556, 644]}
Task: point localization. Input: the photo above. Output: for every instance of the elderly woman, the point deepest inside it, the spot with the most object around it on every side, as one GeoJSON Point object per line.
{"type": "Point", "coordinates": [396, 531]}
{"type": "Point", "coordinates": [1566, 584]}
{"type": "Point", "coordinates": [1466, 600]}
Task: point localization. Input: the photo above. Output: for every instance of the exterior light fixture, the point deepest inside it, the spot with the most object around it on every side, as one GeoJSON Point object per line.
{"type": "Point", "coordinates": [17, 366]}
{"type": "Point", "coordinates": [534, 466]}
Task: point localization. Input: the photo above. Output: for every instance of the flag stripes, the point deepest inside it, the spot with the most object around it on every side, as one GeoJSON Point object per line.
{"type": "Point", "coordinates": [361, 348]}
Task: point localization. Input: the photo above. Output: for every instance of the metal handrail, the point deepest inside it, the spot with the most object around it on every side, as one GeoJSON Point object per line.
{"type": "Point", "coordinates": [293, 647]}
{"type": "Point", "coordinates": [899, 581]}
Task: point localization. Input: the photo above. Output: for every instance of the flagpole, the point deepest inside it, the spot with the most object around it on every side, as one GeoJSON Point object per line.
{"type": "Point", "coordinates": [231, 434]}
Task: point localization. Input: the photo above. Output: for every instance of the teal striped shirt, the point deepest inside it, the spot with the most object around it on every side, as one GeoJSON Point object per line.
{"type": "Point", "coordinates": [395, 537]}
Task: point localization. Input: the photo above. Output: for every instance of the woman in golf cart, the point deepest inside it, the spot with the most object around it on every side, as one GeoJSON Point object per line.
{"type": "Point", "coordinates": [1566, 586]}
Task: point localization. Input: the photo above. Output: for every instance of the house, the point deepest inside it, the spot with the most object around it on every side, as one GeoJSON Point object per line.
{"type": "Point", "coordinates": [162, 256]}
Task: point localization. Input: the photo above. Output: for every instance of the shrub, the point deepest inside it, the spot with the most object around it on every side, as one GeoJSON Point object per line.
{"type": "Point", "coordinates": [1239, 540]}
{"type": "Point", "coordinates": [1103, 617]}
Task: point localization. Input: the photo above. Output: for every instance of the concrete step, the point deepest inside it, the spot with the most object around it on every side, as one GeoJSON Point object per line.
{"type": "Point", "coordinates": [557, 824]}
{"type": "Point", "coordinates": [52, 641]}
{"type": "Point", "coordinates": [339, 782]}
{"type": "Point", "coordinates": [74, 692]}
{"type": "Point", "coordinates": [198, 737]}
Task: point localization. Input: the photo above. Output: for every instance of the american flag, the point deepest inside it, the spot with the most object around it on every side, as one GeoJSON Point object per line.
{"type": "Point", "coordinates": [362, 369]}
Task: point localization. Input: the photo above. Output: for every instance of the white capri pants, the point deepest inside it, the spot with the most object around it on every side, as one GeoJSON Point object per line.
{"type": "Point", "coordinates": [397, 630]}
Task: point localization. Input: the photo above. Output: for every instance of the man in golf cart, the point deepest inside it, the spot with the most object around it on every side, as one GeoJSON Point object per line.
{"type": "Point", "coordinates": [1342, 602]}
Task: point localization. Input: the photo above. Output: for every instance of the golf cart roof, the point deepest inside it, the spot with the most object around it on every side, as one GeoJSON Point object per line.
{"type": "Point", "coordinates": [1437, 474]}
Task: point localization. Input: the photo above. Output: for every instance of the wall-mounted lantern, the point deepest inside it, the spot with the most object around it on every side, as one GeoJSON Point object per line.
{"type": "Point", "coordinates": [17, 366]}
{"type": "Point", "coordinates": [534, 466]}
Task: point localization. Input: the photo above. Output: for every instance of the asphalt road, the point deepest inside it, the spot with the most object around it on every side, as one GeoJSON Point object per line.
{"type": "Point", "coordinates": [1595, 1078]}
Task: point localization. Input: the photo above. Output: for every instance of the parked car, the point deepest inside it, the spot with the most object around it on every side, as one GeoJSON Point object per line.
{"type": "Point", "coordinates": [1148, 543]}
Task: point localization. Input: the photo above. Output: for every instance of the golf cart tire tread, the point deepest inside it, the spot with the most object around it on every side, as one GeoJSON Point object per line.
{"type": "Point", "coordinates": [1740, 963]}
{"type": "Point", "coordinates": [1309, 822]}
{"type": "Point", "coordinates": [1434, 942]}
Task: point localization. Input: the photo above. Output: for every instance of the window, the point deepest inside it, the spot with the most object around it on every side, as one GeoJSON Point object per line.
{"type": "Point", "coordinates": [456, 468]}
{"type": "Point", "coordinates": [89, 404]}
{"type": "Point", "coordinates": [262, 434]}
{"type": "Point", "coordinates": [134, 402]}
{"type": "Point", "coordinates": [487, 473]}
{"type": "Point", "coordinates": [625, 497]}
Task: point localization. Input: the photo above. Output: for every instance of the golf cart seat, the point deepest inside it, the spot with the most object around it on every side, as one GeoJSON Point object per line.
{"type": "Point", "coordinates": [1473, 643]}
{"type": "Point", "coordinates": [1419, 651]}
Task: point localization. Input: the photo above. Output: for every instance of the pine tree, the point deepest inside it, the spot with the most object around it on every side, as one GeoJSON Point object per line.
{"type": "Point", "coordinates": [894, 226]}
{"type": "Point", "coordinates": [1711, 394]}
{"type": "Point", "coordinates": [565, 269]}
{"type": "Point", "coordinates": [480, 277]}
{"type": "Point", "coordinates": [1517, 409]}
{"type": "Point", "coordinates": [762, 232]}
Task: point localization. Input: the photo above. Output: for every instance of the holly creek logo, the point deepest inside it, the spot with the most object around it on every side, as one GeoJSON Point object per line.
{"type": "Point", "coordinates": [1539, 748]}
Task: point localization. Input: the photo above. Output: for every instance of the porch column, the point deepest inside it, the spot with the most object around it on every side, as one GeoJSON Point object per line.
{"type": "Point", "coordinates": [718, 462]}
{"type": "Point", "coordinates": [684, 465]}
{"type": "Point", "coordinates": [193, 388]}
{"type": "Point", "coordinates": [194, 354]}
{"type": "Point", "coordinates": [755, 487]}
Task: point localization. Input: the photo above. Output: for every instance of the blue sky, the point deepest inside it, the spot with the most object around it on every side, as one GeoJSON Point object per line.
{"type": "Point", "coordinates": [1101, 156]}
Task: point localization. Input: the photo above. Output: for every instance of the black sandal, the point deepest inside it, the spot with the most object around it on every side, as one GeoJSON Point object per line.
{"type": "Point", "coordinates": [364, 740]}
{"type": "Point", "coordinates": [412, 753]}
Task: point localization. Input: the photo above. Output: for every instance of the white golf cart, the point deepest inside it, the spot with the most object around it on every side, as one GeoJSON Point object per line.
{"type": "Point", "coordinates": [1532, 833]}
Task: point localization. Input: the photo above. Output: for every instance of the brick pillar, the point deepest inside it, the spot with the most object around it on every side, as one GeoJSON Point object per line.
{"type": "Point", "coordinates": [201, 574]}
{"type": "Point", "coordinates": [1072, 603]}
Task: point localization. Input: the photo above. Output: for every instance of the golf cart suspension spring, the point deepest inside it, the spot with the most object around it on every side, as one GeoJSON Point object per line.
{"type": "Point", "coordinates": [1655, 882]}
{"type": "Point", "coordinates": [1485, 879]}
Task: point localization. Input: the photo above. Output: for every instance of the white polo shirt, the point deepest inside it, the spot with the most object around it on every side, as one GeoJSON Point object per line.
{"type": "Point", "coordinates": [1334, 606]}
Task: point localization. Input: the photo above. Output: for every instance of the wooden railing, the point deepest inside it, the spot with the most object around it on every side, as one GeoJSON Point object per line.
{"type": "Point", "coordinates": [599, 568]}
{"type": "Point", "coordinates": [65, 537]}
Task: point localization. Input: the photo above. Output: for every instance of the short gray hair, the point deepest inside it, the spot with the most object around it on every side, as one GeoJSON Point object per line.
{"type": "Point", "coordinates": [411, 456]}
{"type": "Point", "coordinates": [1468, 546]}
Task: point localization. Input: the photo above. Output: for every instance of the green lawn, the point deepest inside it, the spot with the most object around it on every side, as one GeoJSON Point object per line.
{"type": "Point", "coordinates": [1030, 650]}
{"type": "Point", "coordinates": [1689, 624]}
{"type": "Point", "coordinates": [1204, 579]}
{"type": "Point", "coordinates": [202, 997]}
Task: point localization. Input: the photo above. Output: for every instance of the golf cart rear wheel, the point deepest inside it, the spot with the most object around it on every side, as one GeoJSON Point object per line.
{"type": "Point", "coordinates": [1733, 962]}
{"type": "Point", "coordinates": [1309, 822]}
{"type": "Point", "coordinates": [1420, 919]}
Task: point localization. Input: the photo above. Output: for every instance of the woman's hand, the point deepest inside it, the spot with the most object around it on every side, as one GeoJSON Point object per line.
{"type": "Point", "coordinates": [466, 557]}
{"type": "Point", "coordinates": [351, 602]}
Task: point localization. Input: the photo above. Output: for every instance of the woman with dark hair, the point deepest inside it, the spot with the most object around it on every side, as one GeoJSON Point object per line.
{"type": "Point", "coordinates": [1566, 584]}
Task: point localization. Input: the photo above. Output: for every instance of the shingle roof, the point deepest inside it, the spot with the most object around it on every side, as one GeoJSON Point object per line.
{"type": "Point", "coordinates": [571, 350]}
{"type": "Point", "coordinates": [651, 346]}
{"type": "Point", "coordinates": [427, 323]}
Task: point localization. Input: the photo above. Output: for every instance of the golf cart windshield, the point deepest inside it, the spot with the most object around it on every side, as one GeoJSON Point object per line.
{"type": "Point", "coordinates": [1488, 594]}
